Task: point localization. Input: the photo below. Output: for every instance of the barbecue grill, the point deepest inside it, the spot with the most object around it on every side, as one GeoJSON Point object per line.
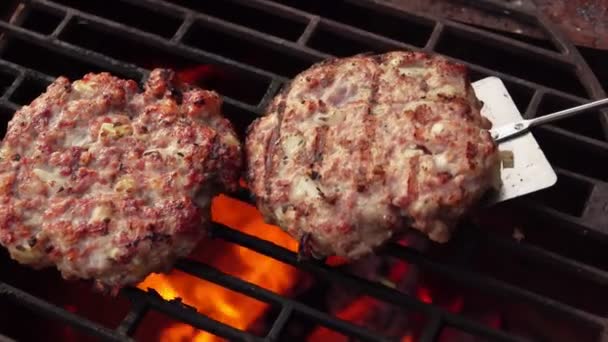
{"type": "Point", "coordinates": [559, 269]}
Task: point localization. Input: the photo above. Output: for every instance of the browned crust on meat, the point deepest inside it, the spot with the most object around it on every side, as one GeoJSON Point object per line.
{"type": "Point", "coordinates": [361, 148]}
{"type": "Point", "coordinates": [110, 183]}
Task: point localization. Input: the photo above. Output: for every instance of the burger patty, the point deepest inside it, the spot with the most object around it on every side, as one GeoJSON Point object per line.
{"type": "Point", "coordinates": [110, 183]}
{"type": "Point", "coordinates": [356, 150]}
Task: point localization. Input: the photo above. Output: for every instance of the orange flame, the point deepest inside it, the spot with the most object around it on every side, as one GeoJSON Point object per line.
{"type": "Point", "coordinates": [363, 307]}
{"type": "Point", "coordinates": [215, 301]}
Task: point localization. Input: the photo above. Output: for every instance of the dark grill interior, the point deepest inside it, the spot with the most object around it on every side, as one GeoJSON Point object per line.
{"type": "Point", "coordinates": [558, 271]}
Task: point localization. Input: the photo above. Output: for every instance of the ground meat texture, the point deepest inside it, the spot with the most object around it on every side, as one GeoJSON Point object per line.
{"type": "Point", "coordinates": [357, 150]}
{"type": "Point", "coordinates": [110, 183]}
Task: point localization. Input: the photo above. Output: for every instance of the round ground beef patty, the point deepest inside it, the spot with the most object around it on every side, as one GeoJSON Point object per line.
{"type": "Point", "coordinates": [356, 150]}
{"type": "Point", "coordinates": [110, 183]}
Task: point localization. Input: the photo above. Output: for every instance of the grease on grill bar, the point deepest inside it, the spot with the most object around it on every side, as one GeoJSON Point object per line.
{"type": "Point", "coordinates": [496, 278]}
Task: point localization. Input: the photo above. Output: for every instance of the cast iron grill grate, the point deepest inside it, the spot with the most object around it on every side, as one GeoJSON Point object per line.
{"type": "Point", "coordinates": [49, 38]}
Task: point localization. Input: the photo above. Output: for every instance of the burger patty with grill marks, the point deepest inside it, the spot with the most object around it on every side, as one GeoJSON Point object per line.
{"type": "Point", "coordinates": [357, 150]}
{"type": "Point", "coordinates": [110, 183]}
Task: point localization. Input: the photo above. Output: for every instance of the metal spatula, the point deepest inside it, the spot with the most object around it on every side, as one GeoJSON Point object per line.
{"type": "Point", "coordinates": [507, 131]}
{"type": "Point", "coordinates": [531, 170]}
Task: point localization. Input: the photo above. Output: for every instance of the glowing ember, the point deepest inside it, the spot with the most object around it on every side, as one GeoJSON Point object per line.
{"type": "Point", "coordinates": [198, 74]}
{"type": "Point", "coordinates": [213, 300]}
{"type": "Point", "coordinates": [407, 338]}
{"type": "Point", "coordinates": [218, 302]}
{"type": "Point", "coordinates": [335, 261]}
{"type": "Point", "coordinates": [355, 312]}
{"type": "Point", "coordinates": [424, 295]}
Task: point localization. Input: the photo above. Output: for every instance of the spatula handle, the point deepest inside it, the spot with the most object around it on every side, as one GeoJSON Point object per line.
{"type": "Point", "coordinates": [562, 114]}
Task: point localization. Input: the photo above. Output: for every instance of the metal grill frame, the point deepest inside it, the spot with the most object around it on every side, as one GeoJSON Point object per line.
{"type": "Point", "coordinates": [566, 56]}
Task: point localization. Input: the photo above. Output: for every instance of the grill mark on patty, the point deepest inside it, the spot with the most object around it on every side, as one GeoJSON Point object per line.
{"type": "Point", "coordinates": [395, 178]}
{"type": "Point", "coordinates": [369, 127]}
{"type": "Point", "coordinates": [271, 147]}
{"type": "Point", "coordinates": [412, 182]}
{"type": "Point", "coordinates": [318, 148]}
{"type": "Point", "coordinates": [471, 153]}
{"type": "Point", "coordinates": [269, 158]}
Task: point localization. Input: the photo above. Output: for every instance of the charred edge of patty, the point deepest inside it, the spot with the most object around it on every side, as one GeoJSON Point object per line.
{"type": "Point", "coordinates": [250, 132]}
{"type": "Point", "coordinates": [165, 82]}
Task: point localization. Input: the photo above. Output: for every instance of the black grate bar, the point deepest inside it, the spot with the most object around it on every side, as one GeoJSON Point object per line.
{"type": "Point", "coordinates": [532, 108]}
{"type": "Point", "coordinates": [568, 173]}
{"type": "Point", "coordinates": [493, 286]}
{"type": "Point", "coordinates": [274, 8]}
{"type": "Point", "coordinates": [153, 3]}
{"type": "Point", "coordinates": [561, 94]}
{"type": "Point", "coordinates": [389, 8]}
{"type": "Point", "coordinates": [9, 67]}
{"type": "Point", "coordinates": [434, 37]}
{"type": "Point", "coordinates": [268, 7]}
{"type": "Point", "coordinates": [23, 74]}
{"type": "Point", "coordinates": [68, 49]}
{"type": "Point", "coordinates": [365, 36]}
{"type": "Point", "coordinates": [54, 312]}
{"type": "Point", "coordinates": [577, 219]}
{"type": "Point", "coordinates": [514, 45]}
{"type": "Point", "coordinates": [308, 31]}
{"type": "Point", "coordinates": [381, 292]}
{"type": "Point", "coordinates": [21, 70]}
{"type": "Point", "coordinates": [277, 252]}
{"type": "Point", "coordinates": [536, 19]}
{"type": "Point", "coordinates": [279, 324]}
{"type": "Point", "coordinates": [11, 89]}
{"type": "Point", "coordinates": [514, 79]}
{"type": "Point", "coordinates": [67, 19]}
{"type": "Point", "coordinates": [226, 26]}
{"type": "Point", "coordinates": [33, 74]}
{"type": "Point", "coordinates": [277, 43]}
{"type": "Point", "coordinates": [209, 273]}
{"type": "Point", "coordinates": [238, 30]}
{"type": "Point", "coordinates": [291, 47]}
{"type": "Point", "coordinates": [183, 29]}
{"type": "Point", "coordinates": [161, 7]}
{"type": "Point", "coordinates": [432, 330]}
{"type": "Point", "coordinates": [249, 108]}
{"type": "Point", "coordinates": [539, 255]}
{"type": "Point", "coordinates": [590, 143]}
{"type": "Point", "coordinates": [175, 309]}
{"type": "Point", "coordinates": [132, 319]}
{"type": "Point", "coordinates": [8, 104]}
{"type": "Point", "coordinates": [272, 90]}
{"type": "Point", "coordinates": [157, 41]}
{"type": "Point", "coordinates": [274, 42]}
{"type": "Point", "coordinates": [555, 217]}
{"type": "Point", "coordinates": [582, 71]}
{"type": "Point", "coordinates": [488, 36]}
